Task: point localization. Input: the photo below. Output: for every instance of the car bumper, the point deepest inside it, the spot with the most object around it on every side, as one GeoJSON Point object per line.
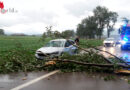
{"type": "Point", "coordinates": [40, 57]}
{"type": "Point", "coordinates": [108, 44]}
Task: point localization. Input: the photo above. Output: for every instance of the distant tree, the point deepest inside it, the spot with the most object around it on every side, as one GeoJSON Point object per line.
{"type": "Point", "coordinates": [44, 36]}
{"type": "Point", "coordinates": [49, 32]}
{"type": "Point", "coordinates": [68, 33]}
{"type": "Point", "coordinates": [94, 25]}
{"type": "Point", "coordinates": [100, 14]}
{"type": "Point", "coordinates": [110, 22]}
{"type": "Point", "coordinates": [87, 28]}
{"type": "Point", "coordinates": [104, 19]}
{"type": "Point", "coordinates": [57, 34]}
{"type": "Point", "coordinates": [18, 34]}
{"type": "Point", "coordinates": [2, 32]}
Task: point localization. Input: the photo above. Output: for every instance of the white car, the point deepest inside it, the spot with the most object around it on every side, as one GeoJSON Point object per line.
{"type": "Point", "coordinates": [109, 42]}
{"type": "Point", "coordinates": [56, 48]}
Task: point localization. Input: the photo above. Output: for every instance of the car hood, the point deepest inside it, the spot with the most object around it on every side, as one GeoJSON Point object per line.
{"type": "Point", "coordinates": [108, 41]}
{"type": "Point", "coordinates": [50, 49]}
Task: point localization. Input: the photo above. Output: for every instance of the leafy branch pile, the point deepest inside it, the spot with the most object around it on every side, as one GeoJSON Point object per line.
{"type": "Point", "coordinates": [19, 59]}
{"type": "Point", "coordinates": [90, 62]}
{"type": "Point", "coordinates": [24, 60]}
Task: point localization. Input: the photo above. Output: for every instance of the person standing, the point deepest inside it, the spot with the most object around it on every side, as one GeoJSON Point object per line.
{"type": "Point", "coordinates": [77, 40]}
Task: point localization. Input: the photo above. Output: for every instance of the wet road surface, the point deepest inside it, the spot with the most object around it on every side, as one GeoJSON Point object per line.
{"type": "Point", "coordinates": [124, 54]}
{"type": "Point", "coordinates": [10, 81]}
{"type": "Point", "coordinates": [63, 81]}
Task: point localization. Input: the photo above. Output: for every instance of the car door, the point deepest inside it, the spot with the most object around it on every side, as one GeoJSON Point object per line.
{"type": "Point", "coordinates": [69, 48]}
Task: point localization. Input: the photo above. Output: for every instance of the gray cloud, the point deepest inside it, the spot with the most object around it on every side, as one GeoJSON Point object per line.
{"type": "Point", "coordinates": [40, 16]}
{"type": "Point", "coordinates": [80, 8]}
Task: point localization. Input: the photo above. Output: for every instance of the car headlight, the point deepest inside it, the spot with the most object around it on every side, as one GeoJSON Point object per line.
{"type": "Point", "coordinates": [112, 41]}
{"type": "Point", "coordinates": [123, 42]}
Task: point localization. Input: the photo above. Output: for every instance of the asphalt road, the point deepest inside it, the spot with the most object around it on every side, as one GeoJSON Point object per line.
{"type": "Point", "coordinates": [124, 54]}
{"type": "Point", "coordinates": [62, 81]}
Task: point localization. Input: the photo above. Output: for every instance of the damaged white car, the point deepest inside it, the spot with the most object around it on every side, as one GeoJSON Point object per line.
{"type": "Point", "coordinates": [56, 48]}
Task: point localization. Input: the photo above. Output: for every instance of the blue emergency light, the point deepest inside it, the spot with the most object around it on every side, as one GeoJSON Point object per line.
{"type": "Point", "coordinates": [125, 39]}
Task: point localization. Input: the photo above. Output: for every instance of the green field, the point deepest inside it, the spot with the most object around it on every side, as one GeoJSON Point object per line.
{"type": "Point", "coordinates": [90, 43]}
{"type": "Point", "coordinates": [8, 43]}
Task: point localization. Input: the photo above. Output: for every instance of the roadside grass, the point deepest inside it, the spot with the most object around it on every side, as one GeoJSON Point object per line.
{"type": "Point", "coordinates": [87, 43]}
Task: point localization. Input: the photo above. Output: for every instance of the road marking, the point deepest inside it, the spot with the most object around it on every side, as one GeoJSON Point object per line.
{"type": "Point", "coordinates": [35, 80]}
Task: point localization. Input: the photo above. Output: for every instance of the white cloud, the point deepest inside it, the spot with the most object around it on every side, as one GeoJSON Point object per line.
{"type": "Point", "coordinates": [31, 28]}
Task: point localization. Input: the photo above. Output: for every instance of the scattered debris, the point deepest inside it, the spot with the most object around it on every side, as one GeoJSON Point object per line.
{"type": "Point", "coordinates": [24, 78]}
{"type": "Point", "coordinates": [50, 63]}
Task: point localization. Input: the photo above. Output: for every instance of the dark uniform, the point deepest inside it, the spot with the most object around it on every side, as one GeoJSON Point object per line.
{"type": "Point", "coordinates": [76, 41]}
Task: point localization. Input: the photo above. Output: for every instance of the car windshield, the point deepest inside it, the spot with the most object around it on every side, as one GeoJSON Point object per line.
{"type": "Point", "coordinates": [109, 39]}
{"type": "Point", "coordinates": [55, 44]}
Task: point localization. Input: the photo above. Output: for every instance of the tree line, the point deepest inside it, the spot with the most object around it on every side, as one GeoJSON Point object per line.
{"type": "Point", "coordinates": [57, 34]}
{"type": "Point", "coordinates": [93, 26]}
{"type": "Point", "coordinates": [2, 32]}
{"type": "Point", "coordinates": [90, 27]}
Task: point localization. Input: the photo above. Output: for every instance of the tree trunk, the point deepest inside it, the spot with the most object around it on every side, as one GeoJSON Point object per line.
{"type": "Point", "coordinates": [108, 33]}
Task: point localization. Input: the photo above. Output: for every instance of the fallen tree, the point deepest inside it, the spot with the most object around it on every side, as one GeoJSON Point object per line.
{"type": "Point", "coordinates": [85, 64]}
{"type": "Point", "coordinates": [115, 63]}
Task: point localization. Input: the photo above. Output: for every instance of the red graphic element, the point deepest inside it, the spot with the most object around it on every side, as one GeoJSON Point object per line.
{"type": "Point", "coordinates": [1, 5]}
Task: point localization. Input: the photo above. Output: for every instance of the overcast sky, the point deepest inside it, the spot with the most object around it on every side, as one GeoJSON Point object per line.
{"type": "Point", "coordinates": [34, 15]}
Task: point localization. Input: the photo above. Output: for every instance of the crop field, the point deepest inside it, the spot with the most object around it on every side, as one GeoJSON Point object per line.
{"type": "Point", "coordinates": [28, 42]}
{"type": "Point", "coordinates": [32, 42]}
